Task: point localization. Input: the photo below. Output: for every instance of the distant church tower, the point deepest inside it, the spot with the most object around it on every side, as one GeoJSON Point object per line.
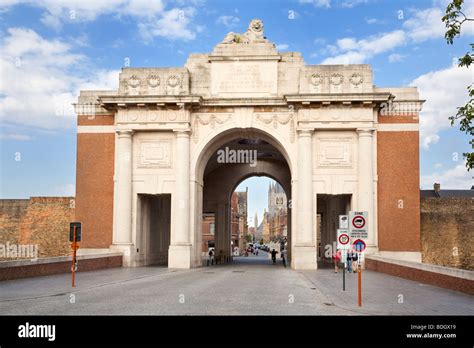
{"type": "Point", "coordinates": [276, 199]}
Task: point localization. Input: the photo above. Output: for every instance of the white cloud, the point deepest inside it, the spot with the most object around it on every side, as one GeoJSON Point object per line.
{"type": "Point", "coordinates": [228, 21]}
{"type": "Point", "coordinates": [372, 20]}
{"type": "Point", "coordinates": [14, 136]}
{"type": "Point", "coordinates": [152, 17]}
{"type": "Point", "coordinates": [353, 3]}
{"type": "Point", "coordinates": [423, 25]}
{"type": "Point", "coordinates": [173, 25]}
{"type": "Point", "coordinates": [426, 24]}
{"type": "Point", "coordinates": [351, 51]}
{"type": "Point", "coordinates": [317, 3]}
{"type": "Point", "coordinates": [444, 91]}
{"type": "Point", "coordinates": [282, 47]}
{"type": "Point", "coordinates": [396, 58]}
{"type": "Point", "coordinates": [453, 178]}
{"type": "Point", "coordinates": [41, 79]}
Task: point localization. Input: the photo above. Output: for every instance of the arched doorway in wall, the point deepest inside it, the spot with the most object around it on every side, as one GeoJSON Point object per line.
{"type": "Point", "coordinates": [232, 158]}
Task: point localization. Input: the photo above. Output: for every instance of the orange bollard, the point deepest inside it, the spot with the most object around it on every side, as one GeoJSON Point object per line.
{"type": "Point", "coordinates": [359, 286]}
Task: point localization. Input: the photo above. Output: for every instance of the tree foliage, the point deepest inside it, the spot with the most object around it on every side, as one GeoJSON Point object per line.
{"type": "Point", "coordinates": [454, 19]}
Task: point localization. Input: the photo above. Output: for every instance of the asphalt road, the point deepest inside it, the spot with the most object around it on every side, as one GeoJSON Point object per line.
{"type": "Point", "coordinates": [248, 286]}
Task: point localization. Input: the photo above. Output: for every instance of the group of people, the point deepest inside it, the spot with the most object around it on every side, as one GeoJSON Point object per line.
{"type": "Point", "coordinates": [215, 258]}
{"type": "Point", "coordinates": [283, 256]}
{"type": "Point", "coordinates": [352, 259]}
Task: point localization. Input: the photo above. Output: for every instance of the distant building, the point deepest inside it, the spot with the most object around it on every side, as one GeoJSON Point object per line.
{"type": "Point", "coordinates": [275, 220]}
{"type": "Point", "coordinates": [239, 227]}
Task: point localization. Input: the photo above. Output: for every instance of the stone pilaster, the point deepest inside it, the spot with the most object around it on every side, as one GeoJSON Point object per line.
{"type": "Point", "coordinates": [122, 236]}
{"type": "Point", "coordinates": [366, 180]}
{"type": "Point", "coordinates": [180, 248]}
{"type": "Point", "coordinates": [304, 252]}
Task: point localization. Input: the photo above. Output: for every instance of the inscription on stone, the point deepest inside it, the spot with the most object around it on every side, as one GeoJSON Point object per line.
{"type": "Point", "coordinates": [244, 78]}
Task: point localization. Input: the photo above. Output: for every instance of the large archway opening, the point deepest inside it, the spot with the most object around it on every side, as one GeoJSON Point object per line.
{"type": "Point", "coordinates": [259, 222]}
{"type": "Point", "coordinates": [230, 161]}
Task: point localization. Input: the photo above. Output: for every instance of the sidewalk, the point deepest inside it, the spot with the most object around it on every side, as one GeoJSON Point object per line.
{"type": "Point", "coordinates": [389, 295]}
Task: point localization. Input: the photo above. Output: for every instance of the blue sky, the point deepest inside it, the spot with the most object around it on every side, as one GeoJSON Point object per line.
{"type": "Point", "coordinates": [51, 49]}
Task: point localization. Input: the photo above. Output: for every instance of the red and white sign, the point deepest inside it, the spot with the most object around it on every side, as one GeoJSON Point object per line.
{"type": "Point", "coordinates": [358, 222]}
{"type": "Point", "coordinates": [358, 227]}
{"type": "Point", "coordinates": [343, 239]}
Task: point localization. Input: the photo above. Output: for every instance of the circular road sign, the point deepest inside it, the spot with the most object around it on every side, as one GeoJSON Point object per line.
{"type": "Point", "coordinates": [358, 221]}
{"type": "Point", "coordinates": [359, 245]}
{"type": "Point", "coordinates": [344, 239]}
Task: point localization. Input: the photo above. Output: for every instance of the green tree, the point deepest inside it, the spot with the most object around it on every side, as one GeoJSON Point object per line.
{"type": "Point", "coordinates": [454, 19]}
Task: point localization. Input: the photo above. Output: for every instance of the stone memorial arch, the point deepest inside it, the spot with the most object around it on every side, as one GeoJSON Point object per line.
{"type": "Point", "coordinates": [147, 165]}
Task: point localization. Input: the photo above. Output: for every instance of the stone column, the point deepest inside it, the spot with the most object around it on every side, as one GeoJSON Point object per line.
{"type": "Point", "coordinates": [180, 248]}
{"type": "Point", "coordinates": [122, 235]}
{"type": "Point", "coordinates": [304, 256]}
{"type": "Point", "coordinates": [366, 179]}
{"type": "Point", "coordinates": [123, 199]}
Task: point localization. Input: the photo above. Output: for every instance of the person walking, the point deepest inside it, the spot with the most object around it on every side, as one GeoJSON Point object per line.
{"type": "Point", "coordinates": [355, 258]}
{"type": "Point", "coordinates": [349, 261]}
{"type": "Point", "coordinates": [336, 257]}
{"type": "Point", "coordinates": [283, 257]}
{"type": "Point", "coordinates": [211, 257]}
{"type": "Point", "coordinates": [274, 252]}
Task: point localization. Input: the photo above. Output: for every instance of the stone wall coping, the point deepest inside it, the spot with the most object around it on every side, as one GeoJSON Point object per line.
{"type": "Point", "coordinates": [449, 271]}
{"type": "Point", "coordinates": [338, 97]}
{"type": "Point", "coordinates": [56, 259]}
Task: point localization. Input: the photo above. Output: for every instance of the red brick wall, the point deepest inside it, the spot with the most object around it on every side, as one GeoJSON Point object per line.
{"type": "Point", "coordinates": [95, 188]}
{"type": "Point", "coordinates": [36, 270]}
{"type": "Point", "coordinates": [422, 276]}
{"type": "Point", "coordinates": [398, 183]}
{"type": "Point", "coordinates": [40, 220]}
{"type": "Point", "coordinates": [447, 232]}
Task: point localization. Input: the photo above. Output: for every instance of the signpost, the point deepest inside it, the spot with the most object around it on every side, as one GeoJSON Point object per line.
{"type": "Point", "coordinates": [359, 246]}
{"type": "Point", "coordinates": [358, 230]}
{"type": "Point", "coordinates": [343, 243]}
{"type": "Point", "coordinates": [75, 235]}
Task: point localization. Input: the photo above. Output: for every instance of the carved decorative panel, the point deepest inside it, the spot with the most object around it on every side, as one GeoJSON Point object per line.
{"type": "Point", "coordinates": [335, 152]}
{"type": "Point", "coordinates": [155, 153]}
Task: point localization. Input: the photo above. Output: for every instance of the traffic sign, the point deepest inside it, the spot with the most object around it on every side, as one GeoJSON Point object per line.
{"type": "Point", "coordinates": [344, 221]}
{"type": "Point", "coordinates": [358, 226]}
{"type": "Point", "coordinates": [359, 245]}
{"type": "Point", "coordinates": [343, 239]}
{"type": "Point", "coordinates": [78, 231]}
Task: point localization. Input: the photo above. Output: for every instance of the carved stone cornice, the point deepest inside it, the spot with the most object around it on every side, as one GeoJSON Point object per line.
{"type": "Point", "coordinates": [119, 101]}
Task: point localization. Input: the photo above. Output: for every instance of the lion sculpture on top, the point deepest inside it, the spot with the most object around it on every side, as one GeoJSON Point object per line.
{"type": "Point", "coordinates": [254, 34]}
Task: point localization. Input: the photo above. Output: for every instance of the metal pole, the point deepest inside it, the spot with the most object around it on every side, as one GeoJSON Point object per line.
{"type": "Point", "coordinates": [74, 257]}
{"type": "Point", "coordinates": [359, 281]}
{"type": "Point", "coordinates": [344, 271]}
